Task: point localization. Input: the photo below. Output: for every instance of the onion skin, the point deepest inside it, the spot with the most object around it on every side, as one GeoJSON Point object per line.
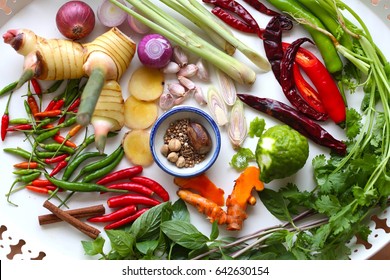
{"type": "Point", "coordinates": [75, 20]}
{"type": "Point", "coordinates": [154, 51]}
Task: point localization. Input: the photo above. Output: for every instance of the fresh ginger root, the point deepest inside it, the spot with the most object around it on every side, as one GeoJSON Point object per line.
{"type": "Point", "coordinates": [236, 202]}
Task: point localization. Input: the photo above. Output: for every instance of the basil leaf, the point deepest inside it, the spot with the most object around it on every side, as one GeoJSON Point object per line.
{"type": "Point", "coordinates": [180, 211]}
{"type": "Point", "coordinates": [121, 241]}
{"type": "Point", "coordinates": [147, 246]}
{"type": "Point", "coordinates": [184, 234]}
{"type": "Point", "coordinates": [214, 231]}
{"type": "Point", "coordinates": [147, 226]}
{"type": "Point", "coordinates": [276, 204]}
{"type": "Point", "coordinates": [94, 247]}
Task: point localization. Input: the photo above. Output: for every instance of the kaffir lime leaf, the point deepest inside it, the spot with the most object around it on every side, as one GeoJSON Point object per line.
{"type": "Point", "coordinates": [280, 152]}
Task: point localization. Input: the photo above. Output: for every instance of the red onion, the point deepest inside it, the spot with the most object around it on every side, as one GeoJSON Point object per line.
{"type": "Point", "coordinates": [155, 51]}
{"type": "Point", "coordinates": [111, 15]}
{"type": "Point", "coordinates": [75, 20]}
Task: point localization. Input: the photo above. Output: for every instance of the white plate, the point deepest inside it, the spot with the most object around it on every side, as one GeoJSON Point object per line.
{"type": "Point", "coordinates": [19, 225]}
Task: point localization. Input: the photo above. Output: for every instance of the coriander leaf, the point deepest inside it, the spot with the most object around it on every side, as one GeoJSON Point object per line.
{"type": "Point", "coordinates": [121, 241]}
{"type": "Point", "coordinates": [320, 236]}
{"type": "Point", "coordinates": [328, 204]}
{"type": "Point", "coordinates": [180, 211]}
{"type": "Point", "coordinates": [364, 197]}
{"type": "Point", "coordinates": [256, 127]}
{"type": "Point", "coordinates": [353, 123]}
{"type": "Point", "coordinates": [94, 247]}
{"type": "Point", "coordinates": [276, 204]}
{"type": "Point", "coordinates": [241, 158]}
{"type": "Point", "coordinates": [184, 234]}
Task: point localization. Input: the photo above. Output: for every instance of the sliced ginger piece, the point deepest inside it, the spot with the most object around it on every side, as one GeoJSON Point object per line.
{"type": "Point", "coordinates": [204, 186]}
{"type": "Point", "coordinates": [241, 196]}
{"type": "Point", "coordinates": [136, 147]}
{"type": "Point", "coordinates": [146, 84]}
{"type": "Point", "coordinates": [140, 114]}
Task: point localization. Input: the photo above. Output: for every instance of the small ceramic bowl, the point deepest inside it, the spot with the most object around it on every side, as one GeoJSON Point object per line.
{"type": "Point", "coordinates": [195, 115]}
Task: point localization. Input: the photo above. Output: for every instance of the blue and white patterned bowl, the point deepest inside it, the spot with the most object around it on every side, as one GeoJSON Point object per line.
{"type": "Point", "coordinates": [157, 140]}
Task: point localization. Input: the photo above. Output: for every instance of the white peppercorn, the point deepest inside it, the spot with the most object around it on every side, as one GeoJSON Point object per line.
{"type": "Point", "coordinates": [172, 157]}
{"type": "Point", "coordinates": [181, 162]}
{"type": "Point", "coordinates": [174, 145]}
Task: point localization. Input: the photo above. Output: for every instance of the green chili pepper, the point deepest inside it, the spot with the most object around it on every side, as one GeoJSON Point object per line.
{"type": "Point", "coordinates": [79, 186]}
{"type": "Point", "coordinates": [19, 121]}
{"type": "Point", "coordinates": [44, 122]}
{"type": "Point", "coordinates": [25, 171]}
{"type": "Point", "coordinates": [75, 162]}
{"type": "Point", "coordinates": [46, 135]}
{"type": "Point", "coordinates": [44, 154]}
{"type": "Point", "coordinates": [8, 88]}
{"type": "Point", "coordinates": [99, 173]}
{"type": "Point", "coordinates": [25, 179]}
{"type": "Point", "coordinates": [57, 147]}
{"type": "Point", "coordinates": [23, 153]}
{"type": "Point", "coordinates": [54, 87]}
{"type": "Point", "coordinates": [101, 163]}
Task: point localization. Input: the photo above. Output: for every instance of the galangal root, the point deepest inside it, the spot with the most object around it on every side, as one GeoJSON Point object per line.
{"type": "Point", "coordinates": [236, 203]}
{"type": "Point", "coordinates": [103, 61]}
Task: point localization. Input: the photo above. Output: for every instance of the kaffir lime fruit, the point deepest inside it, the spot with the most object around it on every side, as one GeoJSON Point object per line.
{"type": "Point", "coordinates": [280, 152]}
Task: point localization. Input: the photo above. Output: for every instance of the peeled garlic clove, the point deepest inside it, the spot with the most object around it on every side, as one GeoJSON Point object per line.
{"type": "Point", "coordinates": [166, 101]}
{"type": "Point", "coordinates": [183, 98]}
{"type": "Point", "coordinates": [198, 95]}
{"type": "Point", "coordinates": [188, 71]}
{"type": "Point", "coordinates": [227, 87]}
{"type": "Point", "coordinates": [217, 106]}
{"type": "Point", "coordinates": [199, 138]}
{"type": "Point", "coordinates": [171, 68]}
{"type": "Point", "coordinates": [202, 73]}
{"type": "Point", "coordinates": [176, 89]}
{"type": "Point", "coordinates": [237, 128]}
{"type": "Point", "coordinates": [187, 83]}
{"type": "Point", "coordinates": [179, 56]}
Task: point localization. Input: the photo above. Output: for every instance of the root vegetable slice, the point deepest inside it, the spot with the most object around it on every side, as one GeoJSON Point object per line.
{"type": "Point", "coordinates": [146, 84]}
{"type": "Point", "coordinates": [136, 146]}
{"type": "Point", "coordinates": [140, 114]}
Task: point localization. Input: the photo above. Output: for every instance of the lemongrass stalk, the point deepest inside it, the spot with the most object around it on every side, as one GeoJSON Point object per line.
{"type": "Point", "coordinates": [204, 15]}
{"type": "Point", "coordinates": [214, 36]}
{"type": "Point", "coordinates": [169, 27]}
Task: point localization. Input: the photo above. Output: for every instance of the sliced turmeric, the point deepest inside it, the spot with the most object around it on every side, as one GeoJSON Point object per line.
{"type": "Point", "coordinates": [205, 206]}
{"type": "Point", "coordinates": [241, 196]}
{"type": "Point", "coordinates": [204, 186]}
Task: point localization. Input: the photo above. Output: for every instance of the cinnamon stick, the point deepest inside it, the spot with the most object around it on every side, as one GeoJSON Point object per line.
{"type": "Point", "coordinates": [79, 213]}
{"type": "Point", "coordinates": [81, 226]}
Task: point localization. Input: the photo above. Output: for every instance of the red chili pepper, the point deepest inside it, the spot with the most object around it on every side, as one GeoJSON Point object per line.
{"type": "Point", "coordinates": [324, 83]}
{"type": "Point", "coordinates": [126, 173]}
{"type": "Point", "coordinates": [114, 216]}
{"type": "Point", "coordinates": [132, 187]}
{"type": "Point", "coordinates": [62, 140]}
{"type": "Point", "coordinates": [153, 185]}
{"type": "Point", "coordinates": [232, 21]}
{"type": "Point", "coordinates": [126, 220]}
{"type": "Point", "coordinates": [27, 165]}
{"type": "Point", "coordinates": [56, 159]}
{"type": "Point", "coordinates": [61, 165]}
{"type": "Point", "coordinates": [75, 104]}
{"type": "Point", "coordinates": [129, 199]}
{"type": "Point", "coordinates": [40, 183]}
{"type": "Point", "coordinates": [36, 86]}
{"type": "Point", "coordinates": [20, 127]}
{"type": "Point", "coordinates": [45, 114]}
{"type": "Point", "coordinates": [58, 105]}
{"type": "Point", "coordinates": [308, 93]}
{"type": "Point", "coordinates": [50, 105]}
{"type": "Point", "coordinates": [5, 119]}
{"type": "Point", "coordinates": [32, 103]}
{"type": "Point", "coordinates": [36, 189]}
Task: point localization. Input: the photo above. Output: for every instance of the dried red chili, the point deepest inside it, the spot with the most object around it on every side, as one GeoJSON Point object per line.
{"type": "Point", "coordinates": [261, 7]}
{"type": "Point", "coordinates": [296, 120]}
{"type": "Point", "coordinates": [232, 21]}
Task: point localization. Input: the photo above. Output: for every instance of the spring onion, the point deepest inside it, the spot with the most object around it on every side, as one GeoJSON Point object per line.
{"type": "Point", "coordinates": [168, 26]}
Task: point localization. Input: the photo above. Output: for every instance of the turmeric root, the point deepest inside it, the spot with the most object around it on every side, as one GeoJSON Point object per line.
{"type": "Point", "coordinates": [204, 206]}
{"type": "Point", "coordinates": [203, 186]}
{"type": "Point", "coordinates": [241, 196]}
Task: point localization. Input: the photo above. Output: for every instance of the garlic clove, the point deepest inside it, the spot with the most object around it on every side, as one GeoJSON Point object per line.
{"type": "Point", "coordinates": [179, 56]}
{"type": "Point", "coordinates": [177, 89]}
{"type": "Point", "coordinates": [202, 73]}
{"type": "Point", "coordinates": [188, 71]}
{"type": "Point", "coordinates": [171, 68]}
{"type": "Point", "coordinates": [187, 83]}
{"type": "Point", "coordinates": [199, 96]}
{"type": "Point", "coordinates": [166, 101]}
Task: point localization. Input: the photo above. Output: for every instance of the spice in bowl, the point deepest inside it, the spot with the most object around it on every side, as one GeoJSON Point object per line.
{"type": "Point", "coordinates": [186, 143]}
